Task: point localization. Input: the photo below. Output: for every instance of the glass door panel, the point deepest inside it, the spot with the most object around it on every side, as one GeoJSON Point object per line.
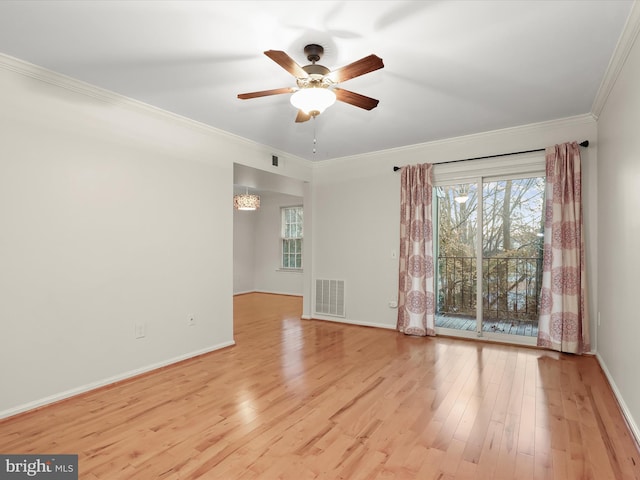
{"type": "Point", "coordinates": [456, 265]}
{"type": "Point", "coordinates": [512, 240]}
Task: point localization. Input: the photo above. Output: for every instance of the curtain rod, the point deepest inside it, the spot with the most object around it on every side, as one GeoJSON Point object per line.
{"type": "Point", "coordinates": [582, 144]}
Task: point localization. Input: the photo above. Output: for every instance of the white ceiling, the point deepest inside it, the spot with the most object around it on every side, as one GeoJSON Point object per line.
{"type": "Point", "coordinates": [451, 67]}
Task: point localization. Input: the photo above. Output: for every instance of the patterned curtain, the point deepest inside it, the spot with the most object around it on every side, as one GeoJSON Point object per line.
{"type": "Point", "coordinates": [564, 320]}
{"type": "Point", "coordinates": [416, 297]}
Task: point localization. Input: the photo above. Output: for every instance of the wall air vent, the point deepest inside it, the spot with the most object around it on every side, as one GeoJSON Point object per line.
{"type": "Point", "coordinates": [330, 297]}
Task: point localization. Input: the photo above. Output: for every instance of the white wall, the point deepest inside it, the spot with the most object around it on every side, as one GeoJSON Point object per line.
{"type": "Point", "coordinates": [356, 210]}
{"type": "Point", "coordinates": [112, 213]}
{"type": "Point", "coordinates": [619, 234]}
{"type": "Point", "coordinates": [356, 224]}
{"type": "Point", "coordinates": [243, 259]}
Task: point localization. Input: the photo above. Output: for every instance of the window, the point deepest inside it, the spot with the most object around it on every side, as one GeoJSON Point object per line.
{"type": "Point", "coordinates": [291, 237]}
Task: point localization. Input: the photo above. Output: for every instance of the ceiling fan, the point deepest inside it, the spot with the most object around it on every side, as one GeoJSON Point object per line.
{"type": "Point", "coordinates": [316, 88]}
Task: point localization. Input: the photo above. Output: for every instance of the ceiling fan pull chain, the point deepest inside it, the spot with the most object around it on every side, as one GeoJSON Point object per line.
{"type": "Point", "coordinates": [315, 141]}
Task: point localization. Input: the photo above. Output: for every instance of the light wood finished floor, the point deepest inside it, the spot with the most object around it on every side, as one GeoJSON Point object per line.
{"type": "Point", "coordinates": [299, 400]}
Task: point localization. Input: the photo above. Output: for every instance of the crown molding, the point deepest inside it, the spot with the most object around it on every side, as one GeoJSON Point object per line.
{"type": "Point", "coordinates": [618, 59]}
{"type": "Point", "coordinates": [473, 139]}
{"type": "Point", "coordinates": [71, 84]}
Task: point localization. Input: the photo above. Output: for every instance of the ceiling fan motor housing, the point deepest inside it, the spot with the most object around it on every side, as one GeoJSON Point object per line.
{"type": "Point", "coordinates": [315, 69]}
{"type": "Point", "coordinates": [314, 52]}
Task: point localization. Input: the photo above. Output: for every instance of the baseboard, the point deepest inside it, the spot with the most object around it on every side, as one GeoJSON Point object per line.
{"type": "Point", "coordinates": [286, 294]}
{"type": "Point", "coordinates": [351, 322]}
{"type": "Point", "coordinates": [36, 404]}
{"type": "Point", "coordinates": [633, 426]}
{"type": "Point", "coordinates": [268, 292]}
{"type": "Point", "coordinates": [235, 294]}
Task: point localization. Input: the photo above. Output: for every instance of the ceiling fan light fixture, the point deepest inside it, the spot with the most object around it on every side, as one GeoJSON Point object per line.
{"type": "Point", "coordinates": [461, 197]}
{"type": "Point", "coordinates": [313, 100]}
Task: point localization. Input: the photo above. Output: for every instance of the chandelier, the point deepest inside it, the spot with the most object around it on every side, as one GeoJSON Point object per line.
{"type": "Point", "coordinates": [246, 201]}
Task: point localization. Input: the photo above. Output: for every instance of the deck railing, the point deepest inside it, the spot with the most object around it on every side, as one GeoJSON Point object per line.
{"type": "Point", "coordinates": [511, 287]}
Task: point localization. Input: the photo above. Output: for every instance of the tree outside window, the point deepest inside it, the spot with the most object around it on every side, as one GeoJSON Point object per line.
{"type": "Point", "coordinates": [292, 237]}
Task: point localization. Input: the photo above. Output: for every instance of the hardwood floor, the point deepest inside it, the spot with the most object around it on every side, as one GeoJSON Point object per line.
{"type": "Point", "coordinates": [298, 399]}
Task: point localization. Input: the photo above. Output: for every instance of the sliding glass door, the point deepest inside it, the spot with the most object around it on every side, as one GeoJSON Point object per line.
{"type": "Point", "coordinates": [491, 230]}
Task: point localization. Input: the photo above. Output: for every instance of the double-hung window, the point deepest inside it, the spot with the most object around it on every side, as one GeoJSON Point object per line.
{"type": "Point", "coordinates": [291, 238]}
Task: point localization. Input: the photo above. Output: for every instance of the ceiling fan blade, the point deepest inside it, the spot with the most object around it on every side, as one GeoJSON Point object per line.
{"type": "Point", "coordinates": [286, 62]}
{"type": "Point", "coordinates": [265, 93]}
{"type": "Point", "coordinates": [357, 68]}
{"type": "Point", "coordinates": [355, 99]}
{"type": "Point", "coordinates": [302, 117]}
